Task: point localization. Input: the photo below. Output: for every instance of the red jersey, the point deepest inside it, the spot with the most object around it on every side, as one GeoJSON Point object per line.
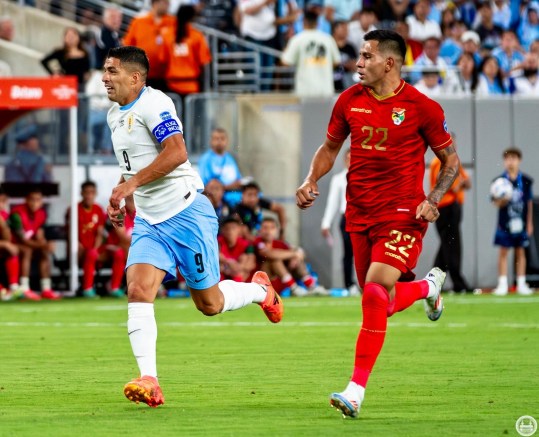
{"type": "Point", "coordinates": [260, 244]}
{"type": "Point", "coordinates": [89, 222]}
{"type": "Point", "coordinates": [242, 246]}
{"type": "Point", "coordinates": [389, 138]}
{"type": "Point", "coordinates": [27, 221]}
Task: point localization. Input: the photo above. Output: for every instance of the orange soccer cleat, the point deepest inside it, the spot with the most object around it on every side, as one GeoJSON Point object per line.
{"type": "Point", "coordinates": [144, 389]}
{"type": "Point", "coordinates": [272, 305]}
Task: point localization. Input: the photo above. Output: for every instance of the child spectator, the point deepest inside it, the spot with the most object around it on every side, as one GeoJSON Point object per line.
{"type": "Point", "coordinates": [280, 261]}
{"type": "Point", "coordinates": [515, 223]}
{"type": "Point", "coordinates": [236, 254]}
{"type": "Point", "coordinates": [249, 210]}
{"type": "Point", "coordinates": [91, 219]}
{"type": "Point", "coordinates": [26, 223]}
{"type": "Point", "coordinates": [215, 192]}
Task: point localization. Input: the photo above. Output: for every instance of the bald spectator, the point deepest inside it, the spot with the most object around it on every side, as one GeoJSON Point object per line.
{"type": "Point", "coordinates": [7, 28]}
{"type": "Point", "coordinates": [147, 32]}
{"type": "Point", "coordinates": [107, 36]}
{"type": "Point", "coordinates": [421, 27]}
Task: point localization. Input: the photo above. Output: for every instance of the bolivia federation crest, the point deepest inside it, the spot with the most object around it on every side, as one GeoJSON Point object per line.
{"type": "Point", "coordinates": [397, 115]}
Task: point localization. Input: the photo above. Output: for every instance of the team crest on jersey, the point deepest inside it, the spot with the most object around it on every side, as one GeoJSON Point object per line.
{"type": "Point", "coordinates": [165, 115]}
{"type": "Point", "coordinates": [130, 122]}
{"type": "Point", "coordinates": [397, 115]}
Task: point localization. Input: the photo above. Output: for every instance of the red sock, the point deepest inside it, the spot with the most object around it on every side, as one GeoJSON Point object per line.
{"type": "Point", "coordinates": [288, 281]}
{"type": "Point", "coordinates": [406, 293]}
{"type": "Point", "coordinates": [12, 269]}
{"type": "Point", "coordinates": [90, 259]}
{"type": "Point", "coordinates": [118, 266]}
{"type": "Point", "coordinates": [309, 281]}
{"type": "Point", "coordinates": [373, 331]}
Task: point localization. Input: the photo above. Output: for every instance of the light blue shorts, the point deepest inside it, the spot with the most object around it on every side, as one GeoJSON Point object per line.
{"type": "Point", "coordinates": [188, 241]}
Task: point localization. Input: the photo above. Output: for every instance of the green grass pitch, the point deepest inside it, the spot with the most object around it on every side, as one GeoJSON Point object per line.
{"type": "Point", "coordinates": [473, 373]}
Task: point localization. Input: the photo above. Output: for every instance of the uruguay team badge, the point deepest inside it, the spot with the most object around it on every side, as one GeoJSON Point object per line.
{"type": "Point", "coordinates": [130, 122]}
{"type": "Point", "coordinates": [397, 115]}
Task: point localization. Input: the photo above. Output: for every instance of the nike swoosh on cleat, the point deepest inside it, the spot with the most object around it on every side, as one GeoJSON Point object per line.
{"type": "Point", "coordinates": [134, 330]}
{"type": "Point", "coordinates": [196, 281]}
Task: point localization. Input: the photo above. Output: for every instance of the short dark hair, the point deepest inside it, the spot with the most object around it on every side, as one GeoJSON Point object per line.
{"type": "Point", "coordinates": [270, 219]}
{"type": "Point", "coordinates": [233, 218]}
{"type": "Point", "coordinates": [87, 184]}
{"type": "Point", "coordinates": [132, 55]}
{"type": "Point", "coordinates": [311, 17]}
{"type": "Point", "coordinates": [250, 186]}
{"type": "Point", "coordinates": [388, 40]}
{"type": "Point", "coordinates": [512, 151]}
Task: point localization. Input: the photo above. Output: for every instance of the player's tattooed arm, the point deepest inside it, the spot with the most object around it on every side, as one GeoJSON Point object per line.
{"type": "Point", "coordinates": [448, 173]}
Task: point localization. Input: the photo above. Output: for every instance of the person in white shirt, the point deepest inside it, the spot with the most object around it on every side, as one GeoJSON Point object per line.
{"type": "Point", "coordinates": [420, 26]}
{"type": "Point", "coordinates": [314, 54]}
{"type": "Point", "coordinates": [175, 225]}
{"type": "Point", "coordinates": [357, 28]}
{"type": "Point", "coordinates": [336, 203]}
{"type": "Point", "coordinates": [528, 83]}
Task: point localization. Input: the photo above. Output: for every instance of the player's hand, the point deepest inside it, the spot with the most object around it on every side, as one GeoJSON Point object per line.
{"type": "Point", "coordinates": [306, 194]}
{"type": "Point", "coordinates": [120, 192]}
{"type": "Point", "coordinates": [427, 211]}
{"type": "Point", "coordinates": [326, 233]}
{"type": "Point", "coordinates": [116, 216]}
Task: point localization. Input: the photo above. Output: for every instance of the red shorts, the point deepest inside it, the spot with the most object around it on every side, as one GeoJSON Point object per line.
{"type": "Point", "coordinates": [397, 244]}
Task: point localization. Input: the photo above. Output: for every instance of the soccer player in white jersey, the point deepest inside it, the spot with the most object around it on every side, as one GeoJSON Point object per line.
{"type": "Point", "coordinates": [176, 226]}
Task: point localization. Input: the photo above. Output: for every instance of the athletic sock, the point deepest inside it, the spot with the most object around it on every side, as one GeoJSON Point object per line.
{"type": "Point", "coordinates": [406, 293]}
{"type": "Point", "coordinates": [90, 260]}
{"type": "Point", "coordinates": [118, 266]}
{"type": "Point", "coordinates": [354, 391]}
{"type": "Point", "coordinates": [12, 270]}
{"type": "Point", "coordinates": [502, 281]}
{"type": "Point", "coordinates": [25, 283]}
{"type": "Point", "coordinates": [309, 281]}
{"type": "Point", "coordinates": [521, 281]}
{"type": "Point", "coordinates": [288, 281]}
{"type": "Point", "coordinates": [373, 331]}
{"type": "Point", "coordinates": [142, 330]}
{"type": "Point", "coordinates": [46, 284]}
{"type": "Point", "coordinates": [239, 294]}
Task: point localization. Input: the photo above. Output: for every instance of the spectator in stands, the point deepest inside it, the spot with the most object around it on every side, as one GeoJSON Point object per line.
{"type": "Point", "coordinates": [515, 223]}
{"type": "Point", "coordinates": [314, 54]}
{"type": "Point", "coordinates": [7, 28]}
{"type": "Point", "coordinates": [430, 58]}
{"type": "Point", "coordinates": [336, 206]}
{"type": "Point", "coordinates": [390, 12]}
{"type": "Point", "coordinates": [528, 30]}
{"type": "Point", "coordinates": [490, 78]}
{"type": "Point", "coordinates": [470, 44]}
{"type": "Point", "coordinates": [107, 36]}
{"type": "Point", "coordinates": [469, 75]}
{"type": "Point", "coordinates": [508, 54]}
{"type": "Point", "coordinates": [467, 11]}
{"type": "Point", "coordinates": [489, 32]}
{"type": "Point", "coordinates": [316, 7]}
{"type": "Point", "coordinates": [286, 13]}
{"type": "Point", "coordinates": [99, 104]}
{"type": "Point", "coordinates": [528, 83]}
{"type": "Point", "coordinates": [501, 13]}
{"type": "Point", "coordinates": [70, 59]}
{"type": "Point", "coordinates": [249, 210]}
{"type": "Point", "coordinates": [215, 191]}
{"type": "Point", "coordinates": [26, 223]}
{"type": "Point", "coordinates": [218, 163]}
{"type": "Point", "coordinates": [342, 10]}
{"type": "Point", "coordinates": [28, 165]}
{"type": "Point", "coordinates": [186, 53]}
{"type": "Point", "coordinates": [429, 84]}
{"type": "Point", "coordinates": [421, 27]}
{"type": "Point", "coordinates": [534, 47]}
{"type": "Point", "coordinates": [344, 72]}
{"type": "Point", "coordinates": [413, 48]}
{"type": "Point", "coordinates": [9, 253]}
{"type": "Point", "coordinates": [237, 259]}
{"type": "Point", "coordinates": [147, 32]}
{"type": "Point", "coordinates": [91, 226]}
{"type": "Point", "coordinates": [451, 48]}
{"type": "Point", "coordinates": [365, 22]}
{"type": "Point", "coordinates": [449, 254]}
{"type": "Point", "coordinates": [221, 15]}
{"type": "Point", "coordinates": [280, 260]}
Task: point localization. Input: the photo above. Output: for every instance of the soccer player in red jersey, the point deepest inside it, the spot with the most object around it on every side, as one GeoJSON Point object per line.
{"type": "Point", "coordinates": [26, 222]}
{"type": "Point", "coordinates": [236, 254]}
{"type": "Point", "coordinates": [91, 219]}
{"type": "Point", "coordinates": [391, 125]}
{"type": "Point", "coordinates": [9, 252]}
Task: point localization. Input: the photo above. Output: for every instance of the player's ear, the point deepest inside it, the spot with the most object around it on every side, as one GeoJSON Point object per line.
{"type": "Point", "coordinates": [390, 62]}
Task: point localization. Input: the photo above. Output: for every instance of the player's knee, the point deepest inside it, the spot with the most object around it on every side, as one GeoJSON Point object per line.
{"type": "Point", "coordinates": [209, 308]}
{"type": "Point", "coordinates": [375, 295]}
{"type": "Point", "coordinates": [137, 293]}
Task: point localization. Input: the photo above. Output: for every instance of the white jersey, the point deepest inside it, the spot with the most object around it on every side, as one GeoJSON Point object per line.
{"type": "Point", "coordinates": [138, 129]}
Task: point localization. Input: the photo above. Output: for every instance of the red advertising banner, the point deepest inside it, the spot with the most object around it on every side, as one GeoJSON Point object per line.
{"type": "Point", "coordinates": [38, 92]}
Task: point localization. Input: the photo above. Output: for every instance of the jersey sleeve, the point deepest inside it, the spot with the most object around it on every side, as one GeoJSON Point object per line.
{"type": "Point", "coordinates": [434, 126]}
{"type": "Point", "coordinates": [338, 128]}
{"type": "Point", "coordinates": [161, 118]}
